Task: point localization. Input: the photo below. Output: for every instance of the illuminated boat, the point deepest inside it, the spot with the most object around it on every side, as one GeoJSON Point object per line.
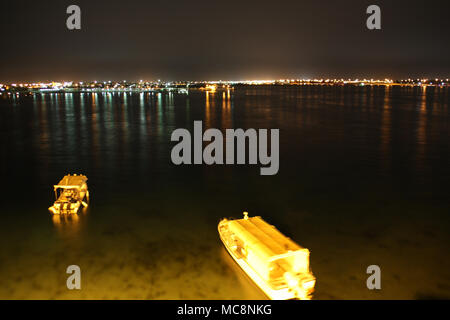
{"type": "Point", "coordinates": [70, 194]}
{"type": "Point", "coordinates": [210, 87]}
{"type": "Point", "coordinates": [278, 265]}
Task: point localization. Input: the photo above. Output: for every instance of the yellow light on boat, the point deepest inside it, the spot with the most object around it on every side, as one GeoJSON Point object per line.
{"type": "Point", "coordinates": [211, 87]}
{"type": "Point", "coordinates": [309, 284]}
{"type": "Point", "coordinates": [278, 265]}
{"type": "Point", "coordinates": [291, 281]}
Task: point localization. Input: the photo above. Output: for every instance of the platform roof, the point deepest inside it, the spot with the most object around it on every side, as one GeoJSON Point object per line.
{"type": "Point", "coordinates": [259, 234]}
{"type": "Point", "coordinates": [72, 181]}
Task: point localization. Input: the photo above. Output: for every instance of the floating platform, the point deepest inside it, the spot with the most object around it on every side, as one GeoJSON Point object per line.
{"type": "Point", "coordinates": [70, 194]}
{"type": "Point", "coordinates": [278, 265]}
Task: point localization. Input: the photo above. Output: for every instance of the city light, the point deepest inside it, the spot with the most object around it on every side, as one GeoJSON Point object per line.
{"type": "Point", "coordinates": [212, 86]}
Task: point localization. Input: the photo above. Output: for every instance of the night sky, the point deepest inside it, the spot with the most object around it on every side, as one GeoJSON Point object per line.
{"type": "Point", "coordinates": [228, 40]}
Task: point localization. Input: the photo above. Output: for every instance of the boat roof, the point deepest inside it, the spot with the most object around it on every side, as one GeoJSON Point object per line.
{"type": "Point", "coordinates": [258, 232]}
{"type": "Point", "coordinates": [72, 181]}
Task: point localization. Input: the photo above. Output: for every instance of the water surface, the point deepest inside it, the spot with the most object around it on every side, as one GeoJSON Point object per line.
{"type": "Point", "coordinates": [364, 179]}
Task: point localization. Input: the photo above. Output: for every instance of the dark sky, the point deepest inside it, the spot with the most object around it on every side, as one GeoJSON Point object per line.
{"type": "Point", "coordinates": [193, 40]}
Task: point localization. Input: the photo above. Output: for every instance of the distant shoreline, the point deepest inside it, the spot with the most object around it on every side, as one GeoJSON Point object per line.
{"type": "Point", "coordinates": [205, 86]}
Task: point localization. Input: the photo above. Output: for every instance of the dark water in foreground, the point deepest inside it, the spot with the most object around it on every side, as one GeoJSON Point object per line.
{"type": "Point", "coordinates": [364, 179]}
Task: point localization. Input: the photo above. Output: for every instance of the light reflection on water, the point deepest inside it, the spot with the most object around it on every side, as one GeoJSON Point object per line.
{"type": "Point", "coordinates": [363, 180]}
